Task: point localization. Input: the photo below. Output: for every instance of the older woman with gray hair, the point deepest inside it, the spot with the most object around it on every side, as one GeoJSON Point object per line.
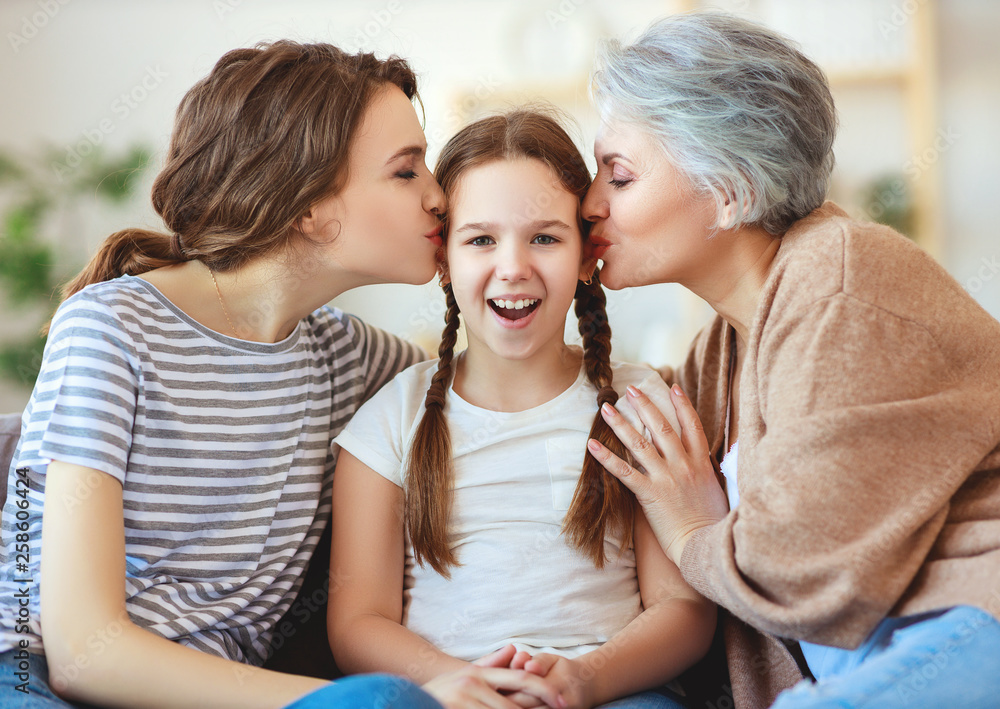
{"type": "Point", "coordinates": [846, 396]}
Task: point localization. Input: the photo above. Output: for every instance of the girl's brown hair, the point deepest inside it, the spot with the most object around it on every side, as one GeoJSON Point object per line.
{"type": "Point", "coordinates": [256, 143]}
{"type": "Point", "coordinates": [601, 504]}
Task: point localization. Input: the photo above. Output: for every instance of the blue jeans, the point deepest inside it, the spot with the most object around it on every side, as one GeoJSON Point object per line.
{"type": "Point", "coordinates": [662, 698]}
{"type": "Point", "coordinates": [409, 695]}
{"type": "Point", "coordinates": [24, 683]}
{"type": "Point", "coordinates": [379, 691]}
{"type": "Point", "coordinates": [359, 692]}
{"type": "Point", "coordinates": [948, 658]}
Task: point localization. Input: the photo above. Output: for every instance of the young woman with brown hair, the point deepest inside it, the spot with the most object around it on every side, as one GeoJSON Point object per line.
{"type": "Point", "coordinates": [174, 470]}
{"type": "Point", "coordinates": [477, 460]}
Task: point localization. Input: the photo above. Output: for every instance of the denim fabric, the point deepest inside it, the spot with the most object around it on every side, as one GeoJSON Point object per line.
{"type": "Point", "coordinates": [359, 692]}
{"type": "Point", "coordinates": [31, 674]}
{"type": "Point", "coordinates": [659, 699]}
{"type": "Point", "coordinates": [388, 692]}
{"type": "Point", "coordinates": [375, 691]}
{"type": "Point", "coordinates": [948, 658]}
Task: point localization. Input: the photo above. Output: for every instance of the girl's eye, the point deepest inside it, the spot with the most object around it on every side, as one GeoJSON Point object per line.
{"type": "Point", "coordinates": [481, 241]}
{"type": "Point", "coordinates": [406, 174]}
{"type": "Point", "coordinates": [544, 239]}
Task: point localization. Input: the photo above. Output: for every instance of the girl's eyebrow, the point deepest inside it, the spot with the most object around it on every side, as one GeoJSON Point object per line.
{"type": "Point", "coordinates": [535, 225]}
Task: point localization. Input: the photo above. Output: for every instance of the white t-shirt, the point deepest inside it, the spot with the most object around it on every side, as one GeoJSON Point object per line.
{"type": "Point", "coordinates": [729, 471]}
{"type": "Point", "coordinates": [520, 581]}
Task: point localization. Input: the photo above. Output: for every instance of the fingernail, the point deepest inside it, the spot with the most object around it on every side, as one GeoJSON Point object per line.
{"type": "Point", "coordinates": [632, 391]}
{"type": "Point", "coordinates": [593, 446]}
{"type": "Point", "coordinates": [609, 410]}
{"type": "Point", "coordinates": [677, 390]}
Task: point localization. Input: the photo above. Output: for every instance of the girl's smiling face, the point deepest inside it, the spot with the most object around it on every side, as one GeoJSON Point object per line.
{"type": "Point", "coordinates": [514, 256]}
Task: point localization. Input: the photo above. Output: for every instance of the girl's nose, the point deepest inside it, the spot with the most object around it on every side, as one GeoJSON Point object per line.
{"type": "Point", "coordinates": [513, 263]}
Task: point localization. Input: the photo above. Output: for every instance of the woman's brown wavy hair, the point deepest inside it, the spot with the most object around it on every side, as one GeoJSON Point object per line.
{"type": "Point", "coordinates": [256, 143]}
{"type": "Point", "coordinates": [601, 504]}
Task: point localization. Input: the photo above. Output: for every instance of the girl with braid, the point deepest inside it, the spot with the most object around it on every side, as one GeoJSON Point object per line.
{"type": "Point", "coordinates": [467, 515]}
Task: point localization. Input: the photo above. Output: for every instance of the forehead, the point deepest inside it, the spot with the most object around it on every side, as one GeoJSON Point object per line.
{"type": "Point", "coordinates": [389, 123]}
{"type": "Point", "coordinates": [508, 190]}
{"type": "Point", "coordinates": [619, 135]}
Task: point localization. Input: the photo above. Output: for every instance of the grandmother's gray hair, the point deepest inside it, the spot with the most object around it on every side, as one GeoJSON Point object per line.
{"type": "Point", "coordinates": [739, 110]}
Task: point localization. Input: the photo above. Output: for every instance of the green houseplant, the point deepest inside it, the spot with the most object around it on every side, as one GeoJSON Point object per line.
{"type": "Point", "coordinates": [32, 192]}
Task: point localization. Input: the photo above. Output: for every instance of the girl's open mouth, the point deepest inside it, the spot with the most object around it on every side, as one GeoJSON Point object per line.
{"type": "Point", "coordinates": [514, 309]}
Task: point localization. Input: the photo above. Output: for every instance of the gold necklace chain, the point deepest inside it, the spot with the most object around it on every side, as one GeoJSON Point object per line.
{"type": "Point", "coordinates": [222, 302]}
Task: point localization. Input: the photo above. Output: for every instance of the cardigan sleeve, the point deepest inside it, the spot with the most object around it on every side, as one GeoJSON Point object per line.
{"type": "Point", "coordinates": [864, 438]}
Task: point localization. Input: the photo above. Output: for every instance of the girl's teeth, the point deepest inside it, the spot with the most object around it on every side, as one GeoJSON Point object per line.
{"type": "Point", "coordinates": [515, 304]}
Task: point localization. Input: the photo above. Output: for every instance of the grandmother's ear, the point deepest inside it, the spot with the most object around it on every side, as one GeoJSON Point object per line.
{"type": "Point", "coordinates": [728, 216]}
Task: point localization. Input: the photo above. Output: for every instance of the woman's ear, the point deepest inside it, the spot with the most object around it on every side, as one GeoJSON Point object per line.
{"type": "Point", "coordinates": [306, 224]}
{"type": "Point", "coordinates": [727, 219]}
{"type": "Point", "coordinates": [318, 219]}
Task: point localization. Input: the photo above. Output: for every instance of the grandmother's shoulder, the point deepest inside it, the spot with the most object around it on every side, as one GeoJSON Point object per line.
{"type": "Point", "coordinates": [829, 252]}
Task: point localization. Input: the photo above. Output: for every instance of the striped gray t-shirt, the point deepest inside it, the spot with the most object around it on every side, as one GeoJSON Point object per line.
{"type": "Point", "coordinates": [222, 446]}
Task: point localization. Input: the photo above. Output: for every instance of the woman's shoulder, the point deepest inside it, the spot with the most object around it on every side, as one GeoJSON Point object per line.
{"type": "Point", "coordinates": [332, 322]}
{"type": "Point", "coordinates": [125, 291]}
{"type": "Point", "coordinates": [108, 305]}
{"type": "Point", "coordinates": [397, 404]}
{"type": "Point", "coordinates": [409, 384]}
{"type": "Point", "coordinates": [830, 254]}
{"type": "Point", "coordinates": [830, 251]}
{"type": "Point", "coordinates": [328, 318]}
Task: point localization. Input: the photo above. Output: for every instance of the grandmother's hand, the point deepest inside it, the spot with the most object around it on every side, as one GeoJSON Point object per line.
{"type": "Point", "coordinates": [679, 491]}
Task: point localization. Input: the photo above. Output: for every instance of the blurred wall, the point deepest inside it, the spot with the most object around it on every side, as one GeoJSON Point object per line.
{"type": "Point", "coordinates": [78, 74]}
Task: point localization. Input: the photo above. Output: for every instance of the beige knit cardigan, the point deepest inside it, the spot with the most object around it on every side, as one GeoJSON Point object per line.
{"type": "Point", "coordinates": [869, 456]}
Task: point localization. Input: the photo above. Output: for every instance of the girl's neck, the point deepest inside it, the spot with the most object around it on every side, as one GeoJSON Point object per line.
{"type": "Point", "coordinates": [490, 382]}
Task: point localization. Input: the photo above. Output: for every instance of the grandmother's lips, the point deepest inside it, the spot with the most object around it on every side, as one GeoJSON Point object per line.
{"type": "Point", "coordinates": [599, 246]}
